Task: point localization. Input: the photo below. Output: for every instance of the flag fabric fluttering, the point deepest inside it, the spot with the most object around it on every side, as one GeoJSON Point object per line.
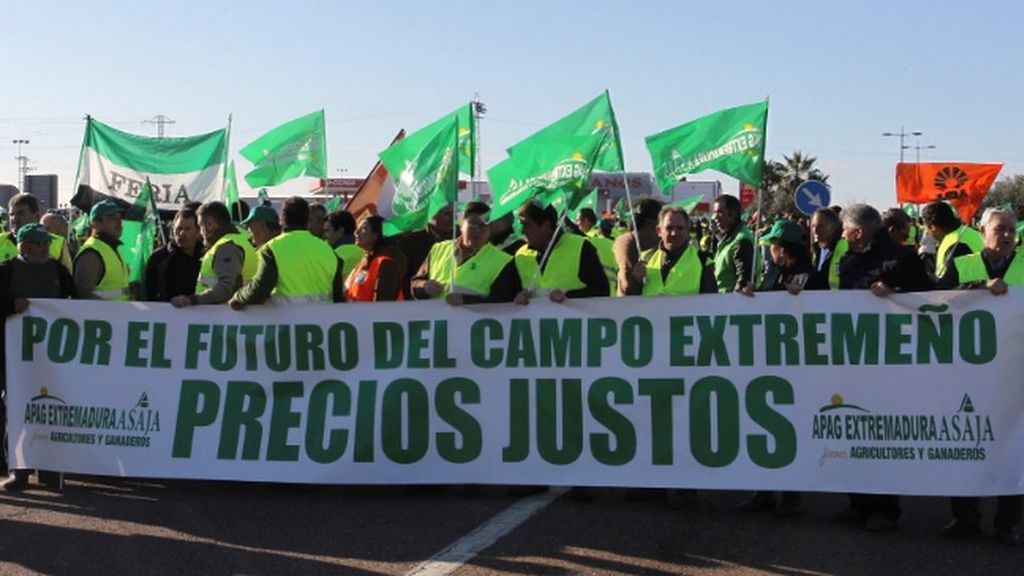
{"type": "Point", "coordinates": [115, 164]}
{"type": "Point", "coordinates": [962, 184]}
{"type": "Point", "coordinates": [333, 204]}
{"type": "Point", "coordinates": [293, 149]}
{"type": "Point", "coordinates": [426, 175]}
{"type": "Point", "coordinates": [466, 135]}
{"type": "Point", "coordinates": [593, 118]}
{"type": "Point", "coordinates": [138, 233]}
{"type": "Point", "coordinates": [558, 159]}
{"type": "Point", "coordinates": [730, 141]}
{"type": "Point", "coordinates": [376, 192]}
{"type": "Point", "coordinates": [688, 203]}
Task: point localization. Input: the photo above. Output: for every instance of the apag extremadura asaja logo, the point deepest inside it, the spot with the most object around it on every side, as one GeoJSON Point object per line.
{"type": "Point", "coordinates": [958, 435]}
{"type": "Point", "coordinates": [93, 425]}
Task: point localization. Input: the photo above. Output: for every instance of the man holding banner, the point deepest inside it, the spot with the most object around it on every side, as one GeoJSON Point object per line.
{"type": "Point", "coordinates": [734, 257]}
{"type": "Point", "coordinates": [995, 268]}
{"type": "Point", "coordinates": [674, 267]}
{"type": "Point", "coordinates": [483, 273]}
{"type": "Point", "coordinates": [229, 261]}
{"type": "Point", "coordinates": [876, 262]}
{"type": "Point", "coordinates": [99, 271]}
{"type": "Point", "coordinates": [955, 239]}
{"type": "Point", "coordinates": [561, 264]}
{"type": "Point", "coordinates": [32, 274]}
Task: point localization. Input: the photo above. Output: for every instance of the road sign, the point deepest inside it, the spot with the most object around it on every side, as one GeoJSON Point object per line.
{"type": "Point", "coordinates": [812, 195]}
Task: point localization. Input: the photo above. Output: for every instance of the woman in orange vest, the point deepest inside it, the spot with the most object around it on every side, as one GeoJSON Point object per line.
{"type": "Point", "coordinates": [379, 275]}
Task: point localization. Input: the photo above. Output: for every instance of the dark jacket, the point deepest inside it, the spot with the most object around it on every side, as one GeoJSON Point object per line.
{"type": "Point", "coordinates": [894, 264]}
{"type": "Point", "coordinates": [172, 272]}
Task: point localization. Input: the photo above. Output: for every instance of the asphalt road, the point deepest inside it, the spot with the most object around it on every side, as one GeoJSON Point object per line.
{"type": "Point", "coordinates": [116, 526]}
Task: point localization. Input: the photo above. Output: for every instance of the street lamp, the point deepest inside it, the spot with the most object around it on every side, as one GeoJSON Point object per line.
{"type": "Point", "coordinates": [22, 163]}
{"type": "Point", "coordinates": [902, 134]}
{"type": "Point", "coordinates": [918, 147]}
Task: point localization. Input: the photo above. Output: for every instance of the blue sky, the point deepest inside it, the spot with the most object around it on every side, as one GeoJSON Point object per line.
{"type": "Point", "coordinates": [838, 74]}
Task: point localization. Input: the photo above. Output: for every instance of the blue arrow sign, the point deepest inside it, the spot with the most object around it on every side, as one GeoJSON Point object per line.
{"type": "Point", "coordinates": [812, 195]}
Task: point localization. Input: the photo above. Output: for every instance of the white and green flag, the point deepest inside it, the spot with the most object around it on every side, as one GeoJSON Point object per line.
{"type": "Point", "coordinates": [116, 164]}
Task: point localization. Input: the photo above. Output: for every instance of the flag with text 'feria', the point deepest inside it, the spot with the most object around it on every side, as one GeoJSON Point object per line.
{"type": "Point", "coordinates": [138, 233]}
{"type": "Point", "coordinates": [426, 174]}
{"type": "Point", "coordinates": [729, 141]}
{"type": "Point", "coordinates": [293, 149]}
{"type": "Point", "coordinates": [115, 165]}
{"type": "Point", "coordinates": [558, 159]}
{"type": "Point", "coordinates": [962, 184]}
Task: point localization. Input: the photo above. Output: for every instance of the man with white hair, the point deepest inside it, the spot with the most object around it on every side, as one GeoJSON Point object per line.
{"type": "Point", "coordinates": [994, 268]}
{"type": "Point", "coordinates": [878, 263]}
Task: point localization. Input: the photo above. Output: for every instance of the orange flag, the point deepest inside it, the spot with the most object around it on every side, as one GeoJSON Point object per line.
{"type": "Point", "coordinates": [374, 196]}
{"type": "Point", "coordinates": [961, 184]}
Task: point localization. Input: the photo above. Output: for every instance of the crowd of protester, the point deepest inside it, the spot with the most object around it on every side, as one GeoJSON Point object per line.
{"type": "Point", "coordinates": [307, 255]}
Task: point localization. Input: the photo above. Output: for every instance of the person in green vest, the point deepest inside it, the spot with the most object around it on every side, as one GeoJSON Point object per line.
{"type": "Point", "coordinates": [262, 224]}
{"type": "Point", "coordinates": [24, 209]}
{"type": "Point", "coordinates": [675, 266]}
{"type": "Point", "coordinates": [734, 257]}
{"type": "Point", "coordinates": [954, 240]}
{"type": "Point", "coordinates": [483, 272]}
{"type": "Point", "coordinates": [296, 267]}
{"type": "Point", "coordinates": [229, 261]}
{"type": "Point", "coordinates": [588, 225]}
{"type": "Point", "coordinates": [99, 271]}
{"type": "Point", "coordinates": [572, 268]}
{"type": "Point", "coordinates": [340, 233]}
{"type": "Point", "coordinates": [995, 268]}
{"type": "Point", "coordinates": [586, 220]}
{"type": "Point", "coordinates": [828, 247]}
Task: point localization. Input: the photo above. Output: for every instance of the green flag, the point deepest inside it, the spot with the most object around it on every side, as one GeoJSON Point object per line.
{"type": "Point", "coordinates": [467, 136]}
{"type": "Point", "coordinates": [588, 201]}
{"type": "Point", "coordinates": [231, 191]}
{"type": "Point", "coordinates": [593, 118]}
{"type": "Point", "coordinates": [138, 236]}
{"type": "Point", "coordinates": [333, 204]}
{"type": "Point", "coordinates": [80, 225]}
{"type": "Point", "coordinates": [293, 149]}
{"type": "Point", "coordinates": [426, 177]}
{"type": "Point", "coordinates": [730, 141]}
{"type": "Point", "coordinates": [689, 203]}
{"type": "Point", "coordinates": [544, 169]}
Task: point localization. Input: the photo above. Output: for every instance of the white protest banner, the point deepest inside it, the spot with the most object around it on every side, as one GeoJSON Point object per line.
{"type": "Point", "coordinates": [912, 394]}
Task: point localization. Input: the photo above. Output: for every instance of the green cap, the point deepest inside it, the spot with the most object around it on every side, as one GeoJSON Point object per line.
{"type": "Point", "coordinates": [785, 231]}
{"type": "Point", "coordinates": [260, 214]}
{"type": "Point", "coordinates": [33, 233]}
{"type": "Point", "coordinates": [104, 208]}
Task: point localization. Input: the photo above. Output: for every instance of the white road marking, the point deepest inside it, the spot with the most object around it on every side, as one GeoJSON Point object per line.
{"type": "Point", "coordinates": [455, 556]}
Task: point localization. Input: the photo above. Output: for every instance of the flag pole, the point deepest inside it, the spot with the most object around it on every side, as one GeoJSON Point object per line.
{"type": "Point", "coordinates": [760, 195]}
{"type": "Point", "coordinates": [224, 184]}
{"type": "Point", "coordinates": [156, 213]}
